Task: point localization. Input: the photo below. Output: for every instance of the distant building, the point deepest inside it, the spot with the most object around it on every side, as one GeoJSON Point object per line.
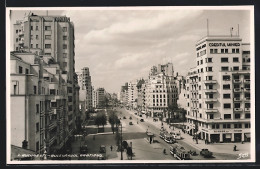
{"type": "Point", "coordinates": [132, 94]}
{"type": "Point", "coordinates": [87, 86]}
{"type": "Point", "coordinates": [100, 94]}
{"type": "Point", "coordinates": [161, 91]}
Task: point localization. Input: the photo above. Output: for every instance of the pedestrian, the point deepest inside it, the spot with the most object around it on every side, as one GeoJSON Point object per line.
{"type": "Point", "coordinates": [235, 148]}
{"type": "Point", "coordinates": [111, 147]}
{"type": "Point", "coordinates": [205, 141]}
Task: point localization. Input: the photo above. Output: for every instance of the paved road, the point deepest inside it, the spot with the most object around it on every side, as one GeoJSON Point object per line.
{"type": "Point", "coordinates": [154, 129]}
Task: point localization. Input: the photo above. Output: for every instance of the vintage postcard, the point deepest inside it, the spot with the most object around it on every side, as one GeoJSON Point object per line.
{"type": "Point", "coordinates": [130, 85]}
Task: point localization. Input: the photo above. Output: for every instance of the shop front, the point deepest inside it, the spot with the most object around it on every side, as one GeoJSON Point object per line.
{"type": "Point", "coordinates": [215, 138]}
{"type": "Point", "coordinates": [247, 137]}
{"type": "Point", "coordinates": [227, 137]}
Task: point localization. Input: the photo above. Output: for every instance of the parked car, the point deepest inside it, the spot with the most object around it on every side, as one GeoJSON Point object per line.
{"type": "Point", "coordinates": [130, 117]}
{"type": "Point", "coordinates": [206, 153]}
{"type": "Point", "coordinates": [130, 123]}
{"type": "Point", "coordinates": [135, 113]}
{"type": "Point", "coordinates": [142, 120]}
{"type": "Point", "coordinates": [84, 149]}
{"type": "Point", "coordinates": [124, 117]}
{"type": "Point", "coordinates": [102, 149]}
{"type": "Point", "coordinates": [141, 115]}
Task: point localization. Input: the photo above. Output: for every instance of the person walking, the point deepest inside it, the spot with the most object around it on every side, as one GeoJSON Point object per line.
{"type": "Point", "coordinates": [111, 147]}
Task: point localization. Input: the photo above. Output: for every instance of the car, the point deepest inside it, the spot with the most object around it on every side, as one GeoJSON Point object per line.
{"type": "Point", "coordinates": [142, 120]}
{"type": "Point", "coordinates": [206, 153]}
{"type": "Point", "coordinates": [84, 149]}
{"type": "Point", "coordinates": [130, 118]}
{"type": "Point", "coordinates": [124, 117]}
{"type": "Point", "coordinates": [130, 123]}
{"type": "Point", "coordinates": [141, 115]}
{"type": "Point", "coordinates": [135, 113]}
{"type": "Point", "coordinates": [102, 149]}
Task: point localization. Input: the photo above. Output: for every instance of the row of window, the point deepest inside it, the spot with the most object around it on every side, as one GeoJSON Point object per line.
{"type": "Point", "coordinates": [21, 70]}
{"type": "Point", "coordinates": [48, 46]}
{"type": "Point", "coordinates": [228, 126]}
{"type": "Point", "coordinates": [47, 28]}
{"type": "Point", "coordinates": [213, 51]}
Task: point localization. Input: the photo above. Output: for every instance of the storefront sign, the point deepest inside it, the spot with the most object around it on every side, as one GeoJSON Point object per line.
{"type": "Point", "coordinates": [223, 44]}
{"type": "Point", "coordinates": [221, 131]}
{"type": "Point", "coordinates": [237, 130]}
{"type": "Point", "coordinates": [200, 47]}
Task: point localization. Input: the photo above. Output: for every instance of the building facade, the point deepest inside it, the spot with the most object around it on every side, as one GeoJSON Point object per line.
{"type": "Point", "coordinates": [100, 97]}
{"type": "Point", "coordinates": [218, 90]}
{"type": "Point", "coordinates": [50, 38]}
{"type": "Point", "coordinates": [87, 86]}
{"type": "Point", "coordinates": [161, 91]}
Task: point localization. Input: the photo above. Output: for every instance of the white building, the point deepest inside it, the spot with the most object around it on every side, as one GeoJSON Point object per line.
{"type": "Point", "coordinates": [218, 90]}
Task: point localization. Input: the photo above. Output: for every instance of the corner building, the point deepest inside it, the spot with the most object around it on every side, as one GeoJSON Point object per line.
{"type": "Point", "coordinates": [218, 90]}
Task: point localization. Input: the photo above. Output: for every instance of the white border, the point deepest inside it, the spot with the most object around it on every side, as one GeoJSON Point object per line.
{"type": "Point", "coordinates": [252, 51]}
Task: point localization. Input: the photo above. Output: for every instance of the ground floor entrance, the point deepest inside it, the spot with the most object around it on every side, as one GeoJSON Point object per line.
{"type": "Point", "coordinates": [237, 137]}
{"type": "Point", "coordinates": [215, 138]}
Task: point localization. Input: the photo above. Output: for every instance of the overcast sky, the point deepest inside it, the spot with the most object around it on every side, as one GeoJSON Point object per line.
{"type": "Point", "coordinates": [121, 45]}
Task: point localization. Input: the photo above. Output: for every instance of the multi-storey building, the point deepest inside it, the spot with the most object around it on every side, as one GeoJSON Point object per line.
{"type": "Point", "coordinates": [94, 98]}
{"type": "Point", "coordinates": [87, 86]}
{"type": "Point", "coordinates": [161, 90]}
{"type": "Point", "coordinates": [132, 94]}
{"type": "Point", "coordinates": [52, 39]}
{"type": "Point", "coordinates": [140, 94]}
{"type": "Point", "coordinates": [124, 94]}
{"type": "Point", "coordinates": [218, 90]}
{"type": "Point", "coordinates": [100, 94]}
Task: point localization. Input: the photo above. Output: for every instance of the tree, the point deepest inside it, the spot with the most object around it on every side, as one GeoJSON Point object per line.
{"type": "Point", "coordinates": [112, 120]}
{"type": "Point", "coordinates": [103, 119]}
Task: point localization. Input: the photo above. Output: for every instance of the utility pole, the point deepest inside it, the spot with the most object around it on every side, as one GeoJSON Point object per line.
{"type": "Point", "coordinates": [121, 143]}
{"type": "Point", "coordinates": [131, 150]}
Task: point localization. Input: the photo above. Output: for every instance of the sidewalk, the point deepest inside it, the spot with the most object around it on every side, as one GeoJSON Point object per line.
{"type": "Point", "coordinates": [214, 147]}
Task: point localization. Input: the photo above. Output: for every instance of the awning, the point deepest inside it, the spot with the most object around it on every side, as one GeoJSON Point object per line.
{"type": "Point", "coordinates": [247, 135]}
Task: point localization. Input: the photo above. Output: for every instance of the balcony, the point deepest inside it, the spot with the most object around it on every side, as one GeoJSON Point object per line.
{"type": "Point", "coordinates": [210, 90]}
{"type": "Point", "coordinates": [53, 123]}
{"type": "Point", "coordinates": [237, 99]}
{"type": "Point", "coordinates": [51, 140]}
{"type": "Point", "coordinates": [247, 98]}
{"type": "Point", "coordinates": [237, 90]}
{"type": "Point", "coordinates": [237, 81]}
{"type": "Point", "coordinates": [21, 42]}
{"type": "Point", "coordinates": [21, 33]}
{"type": "Point", "coordinates": [238, 109]}
{"type": "Point", "coordinates": [211, 110]}
{"type": "Point", "coordinates": [247, 89]}
{"type": "Point", "coordinates": [210, 100]}
{"type": "Point", "coordinates": [246, 80]}
{"type": "Point", "coordinates": [247, 109]}
{"type": "Point", "coordinates": [210, 81]}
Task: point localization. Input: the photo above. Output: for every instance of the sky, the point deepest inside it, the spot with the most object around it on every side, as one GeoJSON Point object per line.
{"type": "Point", "coordinates": [122, 45]}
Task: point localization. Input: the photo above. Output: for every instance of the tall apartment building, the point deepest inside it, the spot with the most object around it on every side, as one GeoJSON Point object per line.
{"type": "Point", "coordinates": [100, 95]}
{"type": "Point", "coordinates": [94, 97]}
{"type": "Point", "coordinates": [218, 90]}
{"type": "Point", "coordinates": [132, 93]}
{"type": "Point", "coordinates": [52, 39]}
{"type": "Point", "coordinates": [141, 94]}
{"type": "Point", "coordinates": [87, 86]}
{"type": "Point", "coordinates": [161, 90]}
{"type": "Point", "coordinates": [124, 94]}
